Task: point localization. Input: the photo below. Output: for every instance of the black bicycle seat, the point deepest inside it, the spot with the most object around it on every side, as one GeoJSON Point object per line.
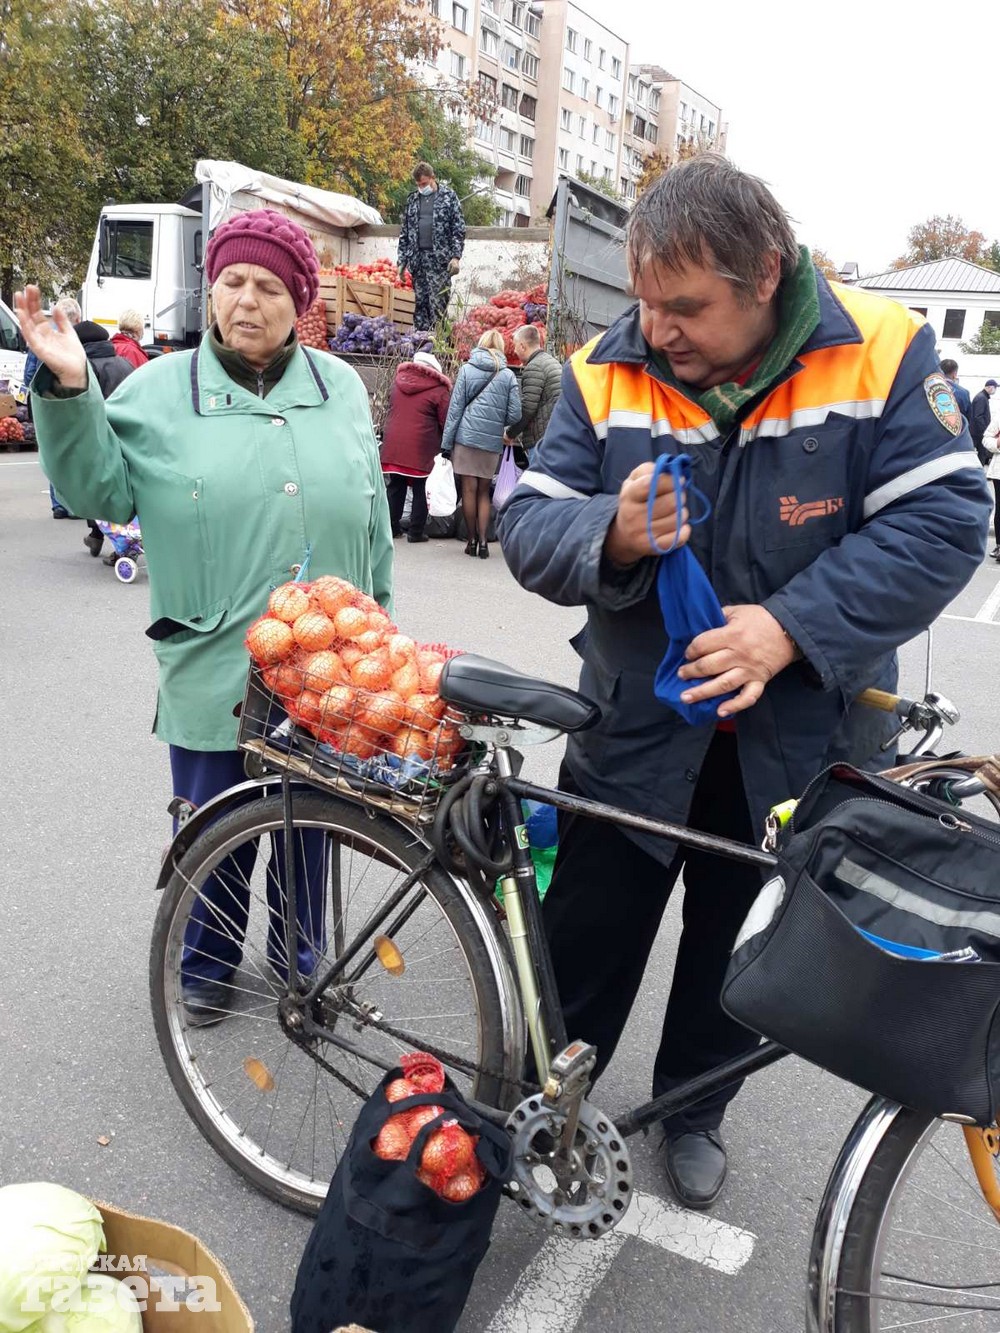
{"type": "Point", "coordinates": [481, 686]}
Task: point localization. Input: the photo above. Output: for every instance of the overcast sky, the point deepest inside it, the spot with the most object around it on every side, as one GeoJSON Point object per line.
{"type": "Point", "coordinates": [865, 118]}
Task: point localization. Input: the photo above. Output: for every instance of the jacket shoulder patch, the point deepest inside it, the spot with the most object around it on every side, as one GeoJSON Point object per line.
{"type": "Point", "coordinates": [941, 397]}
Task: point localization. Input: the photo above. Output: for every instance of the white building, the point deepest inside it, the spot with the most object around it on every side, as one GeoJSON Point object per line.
{"type": "Point", "coordinates": [956, 297]}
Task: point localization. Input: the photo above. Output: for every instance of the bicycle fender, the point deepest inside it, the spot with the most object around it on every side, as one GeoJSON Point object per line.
{"type": "Point", "coordinates": [206, 814]}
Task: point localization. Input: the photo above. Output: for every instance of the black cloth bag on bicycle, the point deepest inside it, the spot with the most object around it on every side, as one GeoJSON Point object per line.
{"type": "Point", "coordinates": [386, 1251]}
{"type": "Point", "coordinates": [874, 949]}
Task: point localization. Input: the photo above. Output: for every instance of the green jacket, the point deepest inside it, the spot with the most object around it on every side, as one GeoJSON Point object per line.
{"type": "Point", "coordinates": [230, 491]}
{"type": "Point", "coordinates": [541, 385]}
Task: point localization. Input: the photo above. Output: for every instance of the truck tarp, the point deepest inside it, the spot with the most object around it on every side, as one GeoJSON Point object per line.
{"type": "Point", "coordinates": [305, 203]}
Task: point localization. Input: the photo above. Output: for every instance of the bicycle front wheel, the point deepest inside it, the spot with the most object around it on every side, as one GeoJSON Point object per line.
{"type": "Point", "coordinates": [280, 1110]}
{"type": "Point", "coordinates": [921, 1246]}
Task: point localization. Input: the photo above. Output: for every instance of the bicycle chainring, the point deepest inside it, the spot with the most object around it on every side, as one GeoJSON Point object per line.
{"type": "Point", "coordinates": [582, 1198]}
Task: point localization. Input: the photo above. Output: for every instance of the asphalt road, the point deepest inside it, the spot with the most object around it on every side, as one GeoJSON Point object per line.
{"type": "Point", "coordinates": [83, 825]}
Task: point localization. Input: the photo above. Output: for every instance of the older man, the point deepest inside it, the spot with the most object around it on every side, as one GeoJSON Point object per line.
{"type": "Point", "coordinates": [541, 381]}
{"type": "Point", "coordinates": [848, 509]}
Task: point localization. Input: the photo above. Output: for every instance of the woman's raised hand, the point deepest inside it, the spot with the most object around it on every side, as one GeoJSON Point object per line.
{"type": "Point", "coordinates": [58, 347]}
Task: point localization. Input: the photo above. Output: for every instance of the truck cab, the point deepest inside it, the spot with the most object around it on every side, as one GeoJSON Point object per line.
{"type": "Point", "coordinates": [13, 352]}
{"type": "Point", "coordinates": [147, 257]}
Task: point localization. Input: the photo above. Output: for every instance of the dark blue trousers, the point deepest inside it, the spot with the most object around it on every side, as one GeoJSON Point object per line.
{"type": "Point", "coordinates": [213, 941]}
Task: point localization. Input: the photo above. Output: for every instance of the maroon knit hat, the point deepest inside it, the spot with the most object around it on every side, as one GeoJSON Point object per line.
{"type": "Point", "coordinates": [274, 242]}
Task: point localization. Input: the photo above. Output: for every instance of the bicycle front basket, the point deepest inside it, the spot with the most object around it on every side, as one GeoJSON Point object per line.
{"type": "Point", "coordinates": [874, 950]}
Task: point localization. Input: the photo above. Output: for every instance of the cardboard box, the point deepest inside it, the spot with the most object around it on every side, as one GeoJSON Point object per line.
{"type": "Point", "coordinates": [185, 1287]}
{"type": "Point", "coordinates": [8, 405]}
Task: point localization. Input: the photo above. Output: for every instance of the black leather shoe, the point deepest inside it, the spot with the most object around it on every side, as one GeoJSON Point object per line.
{"type": "Point", "coordinates": [418, 537]}
{"type": "Point", "coordinates": [60, 513]}
{"type": "Point", "coordinates": [696, 1167]}
{"type": "Point", "coordinates": [471, 548]}
{"type": "Point", "coordinates": [207, 1002]}
{"type": "Point", "coordinates": [484, 551]}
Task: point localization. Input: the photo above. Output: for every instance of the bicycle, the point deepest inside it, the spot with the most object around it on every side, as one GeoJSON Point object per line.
{"type": "Point", "coordinates": [413, 950]}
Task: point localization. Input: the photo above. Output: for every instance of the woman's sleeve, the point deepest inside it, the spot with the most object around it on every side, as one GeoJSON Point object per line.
{"type": "Point", "coordinates": [380, 535]}
{"type": "Point", "coordinates": [80, 444]}
{"type": "Point", "coordinates": [455, 409]}
{"type": "Point", "coordinates": [513, 401]}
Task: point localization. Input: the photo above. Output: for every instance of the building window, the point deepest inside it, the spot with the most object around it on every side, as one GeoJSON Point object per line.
{"type": "Point", "coordinates": [572, 38]}
{"type": "Point", "coordinates": [610, 143]}
{"type": "Point", "coordinates": [569, 79]}
{"type": "Point", "coordinates": [650, 132]}
{"type": "Point", "coordinates": [516, 16]}
{"type": "Point", "coordinates": [581, 126]}
{"type": "Point", "coordinates": [616, 67]}
{"type": "Point", "coordinates": [488, 86]}
{"type": "Point", "coordinates": [654, 100]}
{"type": "Point", "coordinates": [489, 42]}
{"type": "Point", "coordinates": [598, 96]}
{"type": "Point", "coordinates": [639, 127]}
{"type": "Point", "coordinates": [613, 105]}
{"type": "Point", "coordinates": [506, 139]}
{"type": "Point", "coordinates": [584, 88]}
{"type": "Point", "coordinates": [511, 56]}
{"type": "Point", "coordinates": [597, 134]}
{"type": "Point", "coordinates": [460, 17]}
{"type": "Point", "coordinates": [527, 146]}
{"type": "Point", "coordinates": [457, 65]}
{"type": "Point", "coordinates": [711, 129]}
{"type": "Point", "coordinates": [435, 8]}
{"type": "Point", "coordinates": [533, 25]}
{"type": "Point", "coordinates": [528, 107]}
{"type": "Point", "coordinates": [564, 159]}
{"type": "Point", "coordinates": [684, 111]}
{"type": "Point", "coordinates": [623, 185]}
{"type": "Point", "coordinates": [485, 131]}
{"type": "Point", "coordinates": [991, 317]}
{"type": "Point", "coordinates": [608, 176]}
{"type": "Point", "coordinates": [632, 84]}
{"type": "Point", "coordinates": [522, 185]}
{"type": "Point", "coordinates": [640, 96]}
{"type": "Point", "coordinates": [529, 65]}
{"type": "Point", "coordinates": [602, 57]}
{"type": "Point", "coordinates": [704, 125]}
{"type": "Point", "coordinates": [579, 164]}
{"type": "Point", "coordinates": [587, 48]}
{"type": "Point", "coordinates": [508, 97]}
{"type": "Point", "coordinates": [593, 167]}
{"type": "Point", "coordinates": [954, 324]}
{"type": "Point", "coordinates": [567, 118]}
{"type": "Point", "coordinates": [489, 6]}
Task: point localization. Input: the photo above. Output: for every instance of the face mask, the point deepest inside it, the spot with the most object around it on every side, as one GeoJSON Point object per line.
{"type": "Point", "coordinates": [425, 189]}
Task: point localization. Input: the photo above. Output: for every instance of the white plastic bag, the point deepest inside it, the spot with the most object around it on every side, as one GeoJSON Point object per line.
{"type": "Point", "coordinates": [442, 498]}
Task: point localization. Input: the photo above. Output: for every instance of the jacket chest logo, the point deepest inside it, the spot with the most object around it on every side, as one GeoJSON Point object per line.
{"type": "Point", "coordinates": [795, 514]}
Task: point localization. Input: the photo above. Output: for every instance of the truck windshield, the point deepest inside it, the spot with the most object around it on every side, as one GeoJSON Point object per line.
{"type": "Point", "coordinates": [126, 249]}
{"type": "Point", "coordinates": [10, 334]}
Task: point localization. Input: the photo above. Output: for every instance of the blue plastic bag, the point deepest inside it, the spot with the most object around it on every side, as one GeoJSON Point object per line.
{"type": "Point", "coordinates": [687, 600]}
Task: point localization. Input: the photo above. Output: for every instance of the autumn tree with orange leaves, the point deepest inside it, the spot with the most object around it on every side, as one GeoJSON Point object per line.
{"type": "Point", "coordinates": [351, 66]}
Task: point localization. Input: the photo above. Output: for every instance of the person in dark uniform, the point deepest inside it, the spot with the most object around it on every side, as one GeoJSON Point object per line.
{"type": "Point", "coordinates": [431, 241]}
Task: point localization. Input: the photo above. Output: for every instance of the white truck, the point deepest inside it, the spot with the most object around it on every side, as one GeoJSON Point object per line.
{"type": "Point", "coordinates": [150, 257]}
{"type": "Point", "coordinates": [12, 352]}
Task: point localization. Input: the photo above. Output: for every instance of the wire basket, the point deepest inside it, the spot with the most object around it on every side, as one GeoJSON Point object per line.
{"type": "Point", "coordinates": [354, 747]}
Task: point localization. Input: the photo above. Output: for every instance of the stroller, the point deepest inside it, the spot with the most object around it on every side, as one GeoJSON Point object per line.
{"type": "Point", "coordinates": [126, 548]}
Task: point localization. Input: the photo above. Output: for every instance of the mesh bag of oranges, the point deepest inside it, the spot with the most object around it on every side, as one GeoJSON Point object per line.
{"type": "Point", "coordinates": [340, 669]}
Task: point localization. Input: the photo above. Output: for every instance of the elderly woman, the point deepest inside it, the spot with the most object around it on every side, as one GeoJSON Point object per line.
{"type": "Point", "coordinates": [127, 340]}
{"type": "Point", "coordinates": [237, 457]}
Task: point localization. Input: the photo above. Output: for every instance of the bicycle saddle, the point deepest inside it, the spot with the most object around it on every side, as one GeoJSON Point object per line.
{"type": "Point", "coordinates": [481, 686]}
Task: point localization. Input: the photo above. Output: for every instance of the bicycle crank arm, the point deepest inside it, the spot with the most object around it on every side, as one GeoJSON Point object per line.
{"type": "Point", "coordinates": [565, 1089]}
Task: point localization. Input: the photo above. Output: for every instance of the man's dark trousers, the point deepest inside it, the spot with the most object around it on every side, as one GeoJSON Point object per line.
{"type": "Point", "coordinates": [602, 913]}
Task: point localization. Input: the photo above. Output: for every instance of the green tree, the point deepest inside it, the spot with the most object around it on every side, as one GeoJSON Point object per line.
{"type": "Point", "coordinates": [599, 184]}
{"type": "Point", "coordinates": [991, 259]}
{"type": "Point", "coordinates": [170, 81]}
{"type": "Point", "coordinates": [444, 144]}
{"type": "Point", "coordinates": [43, 159]}
{"type": "Point", "coordinates": [984, 342]}
{"type": "Point", "coordinates": [942, 237]}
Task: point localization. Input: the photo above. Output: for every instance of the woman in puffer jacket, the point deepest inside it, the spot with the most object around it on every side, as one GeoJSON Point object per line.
{"type": "Point", "coordinates": [411, 437]}
{"type": "Point", "coordinates": [484, 402]}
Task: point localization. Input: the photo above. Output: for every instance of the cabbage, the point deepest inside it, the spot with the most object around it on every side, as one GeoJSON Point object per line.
{"type": "Point", "coordinates": [101, 1305]}
{"type": "Point", "coordinates": [49, 1237]}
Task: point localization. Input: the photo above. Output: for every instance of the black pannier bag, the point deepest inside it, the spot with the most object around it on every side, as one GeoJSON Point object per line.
{"type": "Point", "coordinates": [386, 1251]}
{"type": "Point", "coordinates": [874, 949]}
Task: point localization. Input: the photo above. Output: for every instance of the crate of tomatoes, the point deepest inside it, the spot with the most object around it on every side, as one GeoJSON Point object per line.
{"type": "Point", "coordinates": [336, 692]}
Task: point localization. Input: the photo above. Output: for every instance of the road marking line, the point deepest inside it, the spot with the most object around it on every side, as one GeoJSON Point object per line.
{"type": "Point", "coordinates": [554, 1290]}
{"type": "Point", "coordinates": [989, 608]}
{"type": "Point", "coordinates": [970, 620]}
{"type": "Point", "coordinates": [21, 462]}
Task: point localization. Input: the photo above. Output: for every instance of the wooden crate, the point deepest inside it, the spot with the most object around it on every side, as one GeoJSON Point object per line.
{"type": "Point", "coordinates": [346, 296]}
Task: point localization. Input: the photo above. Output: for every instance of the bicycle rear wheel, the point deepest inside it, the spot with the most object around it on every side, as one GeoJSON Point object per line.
{"type": "Point", "coordinates": [921, 1246]}
{"type": "Point", "coordinates": [262, 1099]}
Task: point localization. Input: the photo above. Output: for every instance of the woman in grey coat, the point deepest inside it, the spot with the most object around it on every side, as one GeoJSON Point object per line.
{"type": "Point", "coordinates": [484, 402]}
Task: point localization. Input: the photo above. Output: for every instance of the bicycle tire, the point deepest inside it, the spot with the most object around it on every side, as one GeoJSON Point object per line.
{"type": "Point", "coordinates": [393, 848]}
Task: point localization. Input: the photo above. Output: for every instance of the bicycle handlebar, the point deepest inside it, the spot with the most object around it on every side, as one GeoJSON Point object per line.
{"type": "Point", "coordinates": [885, 702]}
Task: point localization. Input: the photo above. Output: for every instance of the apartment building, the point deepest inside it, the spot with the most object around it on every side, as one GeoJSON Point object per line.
{"type": "Point", "coordinates": [565, 99]}
{"type": "Point", "coordinates": [664, 115]}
